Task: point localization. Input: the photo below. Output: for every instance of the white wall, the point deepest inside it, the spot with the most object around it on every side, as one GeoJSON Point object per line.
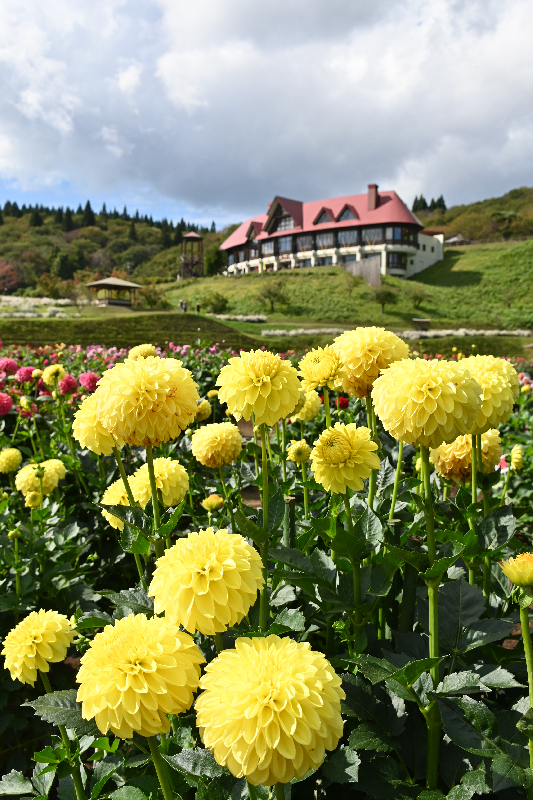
{"type": "Point", "coordinates": [431, 250]}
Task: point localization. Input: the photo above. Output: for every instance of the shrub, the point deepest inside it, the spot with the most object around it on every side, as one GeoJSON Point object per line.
{"type": "Point", "coordinates": [385, 297]}
{"type": "Point", "coordinates": [152, 297]}
{"type": "Point", "coordinates": [216, 303]}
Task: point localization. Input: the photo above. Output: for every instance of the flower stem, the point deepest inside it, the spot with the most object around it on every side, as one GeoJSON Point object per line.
{"type": "Point", "coordinates": [407, 610]}
{"type": "Point", "coordinates": [283, 450]}
{"type": "Point", "coordinates": [280, 792]}
{"type": "Point", "coordinates": [263, 602]}
{"type": "Point", "coordinates": [252, 791]}
{"type": "Point", "coordinates": [326, 407]}
{"type": "Point", "coordinates": [505, 485]}
{"type": "Point", "coordinates": [487, 569]}
{"type": "Point", "coordinates": [306, 491]}
{"type": "Point", "coordinates": [160, 768]}
{"type": "Point", "coordinates": [131, 501]}
{"type": "Point", "coordinates": [218, 642]}
{"type": "Point", "coordinates": [371, 423]}
{"type": "Point", "coordinates": [227, 497]}
{"type": "Point", "coordinates": [528, 650]}
{"type": "Point", "coordinates": [356, 568]}
{"type": "Point", "coordinates": [76, 775]}
{"type": "Point", "coordinates": [474, 469]}
{"type": "Point", "coordinates": [17, 576]}
{"type": "Point", "coordinates": [396, 480]}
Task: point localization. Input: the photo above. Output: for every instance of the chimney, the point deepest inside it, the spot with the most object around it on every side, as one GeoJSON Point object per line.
{"type": "Point", "coordinates": [373, 197]}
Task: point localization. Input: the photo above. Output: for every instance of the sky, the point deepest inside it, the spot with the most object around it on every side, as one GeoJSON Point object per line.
{"type": "Point", "coordinates": [209, 109]}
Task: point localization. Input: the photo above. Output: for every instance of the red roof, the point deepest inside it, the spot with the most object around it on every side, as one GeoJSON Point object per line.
{"type": "Point", "coordinates": [192, 235]}
{"type": "Point", "coordinates": [390, 211]}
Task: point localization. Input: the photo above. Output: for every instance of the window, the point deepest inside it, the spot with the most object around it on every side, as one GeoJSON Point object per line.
{"type": "Point", "coordinates": [349, 259]}
{"type": "Point", "coordinates": [241, 255]}
{"type": "Point", "coordinates": [372, 235]}
{"type": "Point", "coordinates": [423, 247]}
{"type": "Point", "coordinates": [285, 223]}
{"type": "Point", "coordinates": [346, 215]}
{"type": "Point", "coordinates": [268, 248]}
{"type": "Point", "coordinates": [304, 262]}
{"type": "Point", "coordinates": [396, 261]}
{"type": "Point", "coordinates": [346, 238]}
{"type": "Point", "coordinates": [324, 219]}
{"type": "Point", "coordinates": [412, 261]}
{"type": "Point", "coordinates": [432, 249]}
{"type": "Point", "coordinates": [231, 260]}
{"type": "Point", "coordinates": [324, 262]}
{"type": "Point", "coordinates": [324, 240]}
{"type": "Point", "coordinates": [285, 244]}
{"type": "Point", "coordinates": [254, 252]}
{"type": "Point", "coordinates": [304, 242]}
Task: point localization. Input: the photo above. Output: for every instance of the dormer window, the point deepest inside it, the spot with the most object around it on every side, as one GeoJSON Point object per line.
{"type": "Point", "coordinates": [346, 215]}
{"type": "Point", "coordinates": [324, 219]}
{"type": "Point", "coordinates": [285, 223]}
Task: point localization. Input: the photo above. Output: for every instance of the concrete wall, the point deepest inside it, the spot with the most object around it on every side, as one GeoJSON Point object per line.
{"type": "Point", "coordinates": [430, 251]}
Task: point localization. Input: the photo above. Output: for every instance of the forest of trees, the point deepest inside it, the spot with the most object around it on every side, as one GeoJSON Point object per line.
{"type": "Point", "coordinates": [421, 204]}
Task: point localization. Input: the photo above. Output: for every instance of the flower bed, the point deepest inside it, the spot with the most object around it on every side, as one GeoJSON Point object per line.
{"type": "Point", "coordinates": [355, 635]}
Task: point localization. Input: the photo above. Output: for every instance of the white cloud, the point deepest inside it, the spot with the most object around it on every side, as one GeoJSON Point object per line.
{"type": "Point", "coordinates": [217, 106]}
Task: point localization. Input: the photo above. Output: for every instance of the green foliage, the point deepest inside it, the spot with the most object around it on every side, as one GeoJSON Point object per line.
{"type": "Point", "coordinates": [272, 293]}
{"type": "Point", "coordinates": [385, 297]}
{"type": "Point", "coordinates": [216, 303]}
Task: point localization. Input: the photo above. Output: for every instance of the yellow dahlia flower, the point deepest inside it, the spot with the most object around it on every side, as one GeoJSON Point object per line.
{"type": "Point", "coordinates": [42, 637]}
{"type": "Point", "coordinates": [26, 404]}
{"type": "Point", "coordinates": [147, 401]}
{"type": "Point", "coordinates": [10, 459]}
{"type": "Point", "coordinates": [309, 409]}
{"type": "Point", "coordinates": [526, 388]}
{"type": "Point", "coordinates": [321, 367]}
{"type": "Point", "coordinates": [135, 673]}
{"type": "Point", "coordinates": [270, 709]}
{"type": "Point", "coordinates": [342, 456]}
{"type": "Point", "coordinates": [115, 495]}
{"type": "Point", "coordinates": [491, 450]}
{"type": "Point", "coordinates": [217, 444]}
{"type": "Point", "coordinates": [519, 570]}
{"type": "Point", "coordinates": [52, 374]}
{"type": "Point", "coordinates": [259, 382]}
{"type": "Point", "coordinates": [212, 394]}
{"type": "Point", "coordinates": [203, 410]}
{"type": "Point", "coordinates": [365, 353]}
{"type": "Point", "coordinates": [170, 478]}
{"type": "Point", "coordinates": [27, 478]}
{"type": "Point", "coordinates": [454, 461]}
{"type": "Point", "coordinates": [57, 466]}
{"type": "Point", "coordinates": [212, 503]}
{"type": "Point", "coordinates": [142, 351]}
{"type": "Point", "coordinates": [516, 458]}
{"type": "Point", "coordinates": [500, 388]}
{"type": "Point", "coordinates": [207, 581]}
{"type": "Point", "coordinates": [33, 500]}
{"type": "Point", "coordinates": [426, 402]}
{"type": "Point", "coordinates": [300, 452]}
{"type": "Point", "coordinates": [36, 374]}
{"type": "Point", "coordinates": [89, 432]}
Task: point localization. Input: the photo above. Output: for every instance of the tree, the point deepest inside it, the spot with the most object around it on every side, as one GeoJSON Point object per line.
{"type": "Point", "coordinates": [79, 210]}
{"type": "Point", "coordinates": [271, 294]}
{"type": "Point", "coordinates": [417, 295]}
{"type": "Point", "coordinates": [16, 211]}
{"type": "Point", "coordinates": [215, 261]}
{"type": "Point", "coordinates": [58, 218]}
{"type": "Point", "coordinates": [8, 277]}
{"type": "Point", "coordinates": [166, 241]}
{"type": "Point", "coordinates": [62, 267]}
{"type": "Point", "coordinates": [88, 216]}
{"type": "Point", "coordinates": [132, 233]}
{"type": "Point", "coordinates": [385, 297]}
{"type": "Point", "coordinates": [1, 219]}
{"type": "Point", "coordinates": [440, 204]}
{"type": "Point", "coordinates": [213, 227]}
{"type": "Point", "coordinates": [35, 220]}
{"type": "Point", "coordinates": [420, 204]}
{"type": "Point", "coordinates": [103, 212]}
{"type": "Point", "coordinates": [125, 214]}
{"type": "Point", "coordinates": [216, 303]}
{"type": "Point", "coordinates": [68, 223]}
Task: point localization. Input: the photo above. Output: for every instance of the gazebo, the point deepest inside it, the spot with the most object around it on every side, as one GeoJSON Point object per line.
{"type": "Point", "coordinates": [115, 285]}
{"type": "Point", "coordinates": [192, 263]}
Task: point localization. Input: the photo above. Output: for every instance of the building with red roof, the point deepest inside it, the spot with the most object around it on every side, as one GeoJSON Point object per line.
{"type": "Point", "coordinates": [340, 230]}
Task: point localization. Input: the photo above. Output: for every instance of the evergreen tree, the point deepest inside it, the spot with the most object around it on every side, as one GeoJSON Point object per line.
{"type": "Point", "coordinates": [79, 210]}
{"type": "Point", "coordinates": [35, 220]}
{"type": "Point", "coordinates": [16, 211]}
{"type": "Point", "coordinates": [166, 241]}
{"type": "Point", "coordinates": [88, 216]}
{"type": "Point", "coordinates": [103, 212]}
{"type": "Point", "coordinates": [414, 208]}
{"type": "Point", "coordinates": [440, 204]}
{"type": "Point", "coordinates": [7, 209]}
{"type": "Point", "coordinates": [125, 214]}
{"type": "Point", "coordinates": [137, 217]}
{"type": "Point", "coordinates": [63, 267]}
{"type": "Point", "coordinates": [132, 234]}
{"type": "Point", "coordinates": [178, 236]}
{"type": "Point", "coordinates": [1, 219]}
{"type": "Point", "coordinates": [432, 205]}
{"type": "Point", "coordinates": [150, 221]}
{"type": "Point", "coordinates": [68, 223]}
{"type": "Point", "coordinates": [58, 219]}
{"type": "Point", "coordinates": [24, 210]}
{"type": "Point", "coordinates": [213, 227]}
{"type": "Point", "coordinates": [115, 214]}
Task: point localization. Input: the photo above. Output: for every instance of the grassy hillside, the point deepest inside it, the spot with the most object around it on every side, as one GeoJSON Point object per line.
{"type": "Point", "coordinates": [495, 219]}
{"type": "Point", "coordinates": [482, 287]}
{"type": "Point", "coordinates": [125, 330]}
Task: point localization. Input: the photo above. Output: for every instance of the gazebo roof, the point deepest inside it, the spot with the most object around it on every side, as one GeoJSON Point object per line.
{"type": "Point", "coordinates": [113, 283]}
{"type": "Point", "coordinates": [192, 235]}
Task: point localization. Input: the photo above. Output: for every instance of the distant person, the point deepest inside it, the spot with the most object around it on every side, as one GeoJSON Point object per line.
{"type": "Point", "coordinates": [197, 308]}
{"type": "Point", "coordinates": [185, 306]}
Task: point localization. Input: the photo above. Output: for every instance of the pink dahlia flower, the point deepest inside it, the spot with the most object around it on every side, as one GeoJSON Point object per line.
{"type": "Point", "coordinates": [8, 365]}
{"type": "Point", "coordinates": [68, 384]}
{"type": "Point", "coordinates": [6, 404]}
{"type": "Point", "coordinates": [89, 380]}
{"type": "Point", "coordinates": [24, 374]}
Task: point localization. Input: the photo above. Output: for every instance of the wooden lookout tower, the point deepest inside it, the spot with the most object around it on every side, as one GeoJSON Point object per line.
{"type": "Point", "coordinates": [192, 256]}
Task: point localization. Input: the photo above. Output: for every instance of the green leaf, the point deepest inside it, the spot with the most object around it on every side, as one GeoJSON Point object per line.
{"type": "Point", "coordinates": [248, 528]}
{"type": "Point", "coordinates": [323, 566]}
{"type": "Point", "coordinates": [134, 601]}
{"type": "Point", "coordinates": [198, 762]}
{"type": "Point", "coordinates": [15, 784]}
{"type": "Point", "coordinates": [61, 708]}
{"type": "Point", "coordinates": [431, 794]}
{"type": "Point", "coordinates": [525, 596]}
{"type": "Point", "coordinates": [375, 669]}
{"type": "Point", "coordinates": [470, 725]}
{"type": "Point", "coordinates": [496, 529]}
{"type": "Point", "coordinates": [525, 724]}
{"type": "Point", "coordinates": [460, 683]}
{"type": "Point", "coordinates": [369, 526]}
{"type": "Point", "coordinates": [170, 519]}
{"type": "Point", "coordinates": [49, 756]}
{"type": "Point", "coordinates": [127, 793]}
{"type": "Point", "coordinates": [42, 779]}
{"type": "Point", "coordinates": [500, 679]}
{"type": "Point", "coordinates": [459, 606]}
{"type": "Point", "coordinates": [94, 619]}
{"type": "Point", "coordinates": [135, 517]}
{"type": "Point", "coordinates": [506, 772]}
{"type": "Point", "coordinates": [293, 558]}
{"type": "Point", "coordinates": [369, 737]}
{"type": "Point", "coordinates": [439, 567]}
{"type": "Point", "coordinates": [483, 632]}
{"type": "Point", "coordinates": [290, 619]}
{"type": "Point", "coordinates": [415, 558]}
{"type": "Point", "coordinates": [141, 546]}
{"type": "Point", "coordinates": [276, 511]}
{"type": "Point", "coordinates": [343, 766]}
{"type": "Point", "coordinates": [353, 546]}
{"type": "Point", "coordinates": [412, 672]}
{"type": "Point", "coordinates": [383, 574]}
{"type": "Point", "coordinates": [102, 772]}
